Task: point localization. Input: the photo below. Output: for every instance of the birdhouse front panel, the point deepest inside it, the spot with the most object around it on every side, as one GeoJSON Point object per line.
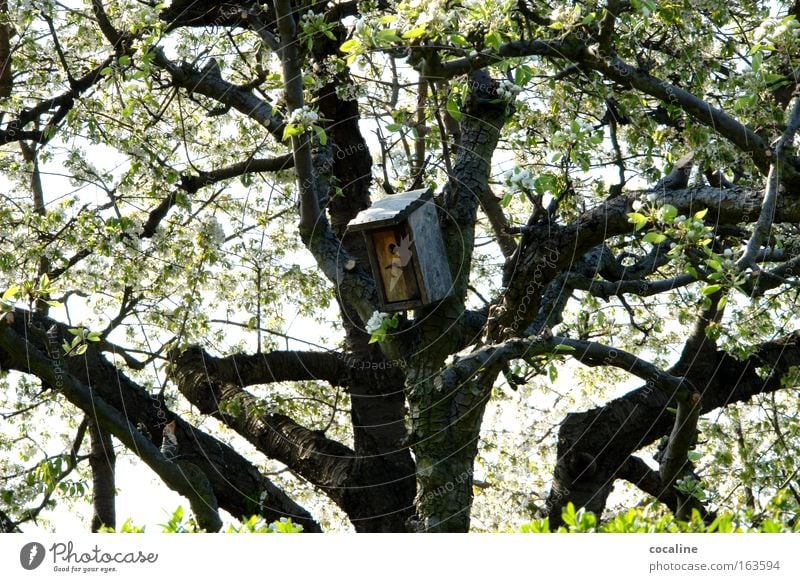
{"type": "Point", "coordinates": [406, 252]}
{"type": "Point", "coordinates": [394, 252]}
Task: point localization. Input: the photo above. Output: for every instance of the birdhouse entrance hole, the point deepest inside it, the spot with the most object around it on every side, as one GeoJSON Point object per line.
{"type": "Point", "coordinates": [394, 250]}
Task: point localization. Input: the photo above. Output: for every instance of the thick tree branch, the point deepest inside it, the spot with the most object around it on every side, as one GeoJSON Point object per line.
{"type": "Point", "coordinates": [6, 71]}
{"type": "Point", "coordinates": [56, 107]}
{"type": "Point", "coordinates": [108, 418]}
{"type": "Point", "coordinates": [7, 525]}
{"type": "Point", "coordinates": [113, 36]}
{"type": "Point", "coordinates": [311, 217]}
{"type": "Point", "coordinates": [207, 82]}
{"type": "Point", "coordinates": [611, 433]}
{"type": "Point", "coordinates": [497, 219]}
{"type": "Point", "coordinates": [637, 472]}
{"type": "Point", "coordinates": [597, 354]}
{"type": "Point", "coordinates": [638, 287]}
{"type": "Point", "coordinates": [214, 387]}
{"type": "Point", "coordinates": [774, 179]}
{"type": "Point", "coordinates": [191, 183]}
{"type": "Point", "coordinates": [614, 68]}
{"type": "Point", "coordinates": [278, 366]}
{"type": "Point", "coordinates": [549, 250]}
{"type": "Point", "coordinates": [237, 483]}
{"type": "Point", "coordinates": [674, 461]}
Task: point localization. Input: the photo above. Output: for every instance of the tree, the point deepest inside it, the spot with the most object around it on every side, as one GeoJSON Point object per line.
{"type": "Point", "coordinates": [181, 177]}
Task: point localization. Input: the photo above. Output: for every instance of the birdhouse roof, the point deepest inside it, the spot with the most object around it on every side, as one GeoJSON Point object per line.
{"type": "Point", "coordinates": [390, 210]}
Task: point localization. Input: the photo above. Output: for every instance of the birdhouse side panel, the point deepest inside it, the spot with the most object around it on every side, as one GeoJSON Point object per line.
{"type": "Point", "coordinates": [393, 258]}
{"type": "Point", "coordinates": [431, 256]}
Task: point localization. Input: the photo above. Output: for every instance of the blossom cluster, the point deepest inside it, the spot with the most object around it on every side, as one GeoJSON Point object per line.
{"type": "Point", "coordinates": [773, 29]}
{"type": "Point", "coordinates": [520, 179]}
{"type": "Point", "coordinates": [304, 117]}
{"type": "Point", "coordinates": [507, 90]}
{"type": "Point", "coordinates": [375, 322]}
{"type": "Point", "coordinates": [213, 232]}
{"type": "Point", "coordinates": [637, 204]}
{"type": "Point", "coordinates": [566, 14]}
{"type": "Point", "coordinates": [310, 18]}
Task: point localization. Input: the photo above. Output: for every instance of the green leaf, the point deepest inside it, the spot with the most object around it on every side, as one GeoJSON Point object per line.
{"type": "Point", "coordinates": [392, 127]}
{"type": "Point", "coordinates": [10, 293]}
{"type": "Point", "coordinates": [638, 220]}
{"type": "Point", "coordinates": [722, 302]}
{"type": "Point", "coordinates": [552, 373]}
{"type": "Point", "coordinates": [563, 348]}
{"type": "Point", "coordinates": [459, 40]}
{"type": "Point", "coordinates": [758, 58]}
{"type": "Point", "coordinates": [710, 289]}
{"type": "Point", "coordinates": [321, 135]}
{"type": "Point", "coordinates": [453, 108]}
{"type": "Point", "coordinates": [387, 36]}
{"type": "Point", "coordinates": [668, 213]}
{"type": "Point", "coordinates": [291, 130]}
{"type": "Point", "coordinates": [522, 75]}
{"type": "Point", "coordinates": [124, 61]}
{"type": "Point", "coordinates": [351, 46]}
{"type": "Point", "coordinates": [654, 237]}
{"type": "Point", "coordinates": [546, 183]}
{"type": "Point", "coordinates": [415, 32]}
{"type": "Point", "coordinates": [493, 39]}
{"type": "Point", "coordinates": [82, 349]}
{"type": "Point", "coordinates": [701, 214]}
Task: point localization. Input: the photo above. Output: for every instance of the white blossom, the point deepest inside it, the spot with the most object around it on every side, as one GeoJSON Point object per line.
{"type": "Point", "coordinates": [508, 90]}
{"type": "Point", "coordinates": [520, 178]}
{"type": "Point", "coordinates": [375, 322]}
{"type": "Point", "coordinates": [214, 233]}
{"type": "Point", "coordinates": [304, 117]}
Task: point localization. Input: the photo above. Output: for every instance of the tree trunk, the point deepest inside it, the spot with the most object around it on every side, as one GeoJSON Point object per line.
{"type": "Point", "coordinates": [102, 460]}
{"type": "Point", "coordinates": [446, 414]}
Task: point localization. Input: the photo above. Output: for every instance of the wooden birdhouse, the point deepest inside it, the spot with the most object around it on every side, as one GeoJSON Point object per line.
{"type": "Point", "coordinates": [406, 250]}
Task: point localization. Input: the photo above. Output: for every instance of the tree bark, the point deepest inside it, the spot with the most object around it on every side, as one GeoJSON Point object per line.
{"type": "Point", "coordinates": [594, 446]}
{"type": "Point", "coordinates": [102, 460]}
{"type": "Point", "coordinates": [446, 417]}
{"type": "Point", "coordinates": [238, 485]}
